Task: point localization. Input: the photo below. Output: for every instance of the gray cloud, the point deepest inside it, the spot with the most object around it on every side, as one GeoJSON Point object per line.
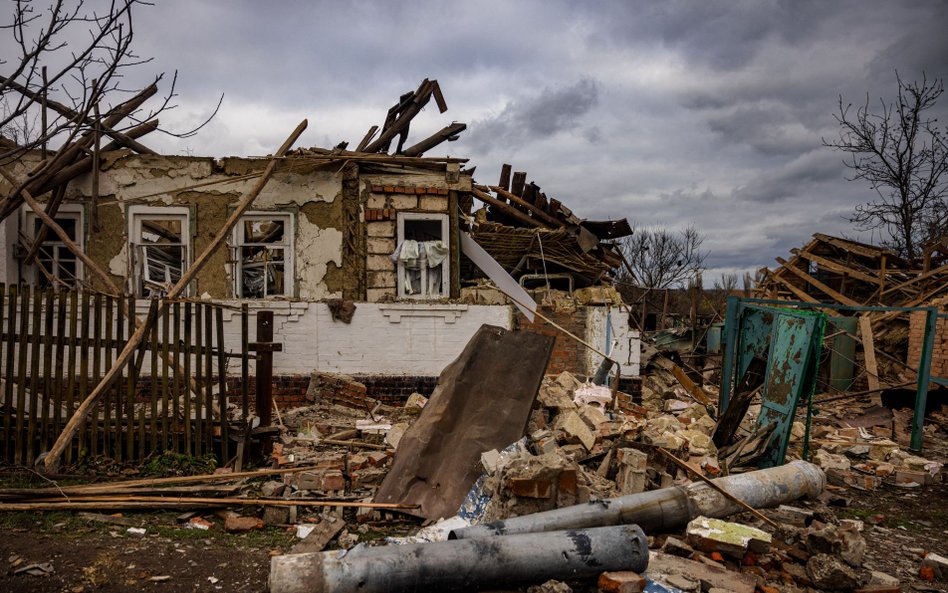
{"type": "Point", "coordinates": [537, 117]}
{"type": "Point", "coordinates": [667, 112]}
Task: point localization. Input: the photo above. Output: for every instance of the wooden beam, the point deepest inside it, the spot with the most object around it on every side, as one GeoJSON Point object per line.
{"type": "Point", "coordinates": [919, 278]}
{"type": "Point", "coordinates": [863, 250]}
{"type": "Point", "coordinates": [52, 460]}
{"type": "Point", "coordinates": [514, 199]}
{"type": "Point", "coordinates": [836, 266]}
{"type": "Point", "coordinates": [504, 181]}
{"type": "Point", "coordinates": [506, 208]}
{"type": "Point", "coordinates": [447, 133]}
{"type": "Point", "coordinates": [800, 294]}
{"type": "Point", "coordinates": [869, 353]}
{"type": "Point", "coordinates": [842, 299]}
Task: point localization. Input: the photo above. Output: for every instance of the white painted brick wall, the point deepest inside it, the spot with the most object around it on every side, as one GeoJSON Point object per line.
{"type": "Point", "coordinates": [610, 324]}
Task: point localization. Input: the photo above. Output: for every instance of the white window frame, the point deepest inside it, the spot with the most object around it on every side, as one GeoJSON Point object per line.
{"type": "Point", "coordinates": [33, 274]}
{"type": "Point", "coordinates": [138, 214]}
{"type": "Point", "coordinates": [289, 237]}
{"type": "Point", "coordinates": [402, 217]}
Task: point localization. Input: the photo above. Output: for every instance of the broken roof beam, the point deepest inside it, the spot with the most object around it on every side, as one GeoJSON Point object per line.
{"type": "Point", "coordinates": [447, 133]}
{"type": "Point", "coordinates": [836, 296]}
{"type": "Point", "coordinates": [505, 208]}
{"type": "Point", "coordinates": [836, 266]}
{"type": "Point", "coordinates": [514, 199]}
{"type": "Point", "coordinates": [407, 109]}
{"type": "Point", "coordinates": [862, 249]}
{"type": "Point", "coordinates": [367, 138]}
{"type": "Point", "coordinates": [504, 181]}
{"type": "Point", "coordinates": [940, 270]}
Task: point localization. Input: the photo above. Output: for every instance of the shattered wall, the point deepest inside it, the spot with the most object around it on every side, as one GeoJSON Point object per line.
{"type": "Point", "coordinates": [917, 337]}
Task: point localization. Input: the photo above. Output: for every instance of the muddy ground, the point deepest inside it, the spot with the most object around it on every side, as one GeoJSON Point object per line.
{"type": "Point", "coordinates": [86, 555]}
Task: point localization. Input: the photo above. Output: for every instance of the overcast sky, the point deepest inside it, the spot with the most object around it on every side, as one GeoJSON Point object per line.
{"type": "Point", "coordinates": [666, 112]}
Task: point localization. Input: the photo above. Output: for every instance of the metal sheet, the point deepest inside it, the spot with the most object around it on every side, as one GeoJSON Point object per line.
{"type": "Point", "coordinates": [482, 402]}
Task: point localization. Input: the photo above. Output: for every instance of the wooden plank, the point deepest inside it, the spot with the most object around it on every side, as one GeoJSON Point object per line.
{"type": "Point", "coordinates": [108, 435]}
{"type": "Point", "coordinates": [504, 181]}
{"type": "Point", "coordinates": [8, 417]}
{"type": "Point", "coordinates": [939, 270]}
{"type": "Point", "coordinates": [519, 182]}
{"type": "Point", "coordinates": [244, 363]}
{"type": "Point", "coordinates": [836, 266]}
{"type": "Point", "coordinates": [537, 212]}
{"type": "Point", "coordinates": [800, 294]}
{"type": "Point", "coordinates": [119, 388]}
{"type": "Point", "coordinates": [209, 378]}
{"type": "Point", "coordinates": [19, 445]}
{"type": "Point", "coordinates": [165, 386]}
{"type": "Point", "coordinates": [177, 379]}
{"type": "Point", "coordinates": [128, 414]}
{"type": "Point", "coordinates": [49, 320]}
{"type": "Point", "coordinates": [188, 445]}
{"type": "Point", "coordinates": [36, 353]}
{"type": "Point", "coordinates": [869, 352]}
{"type": "Point", "coordinates": [222, 383]}
{"type": "Point", "coordinates": [842, 299]}
{"type": "Point", "coordinates": [52, 459]}
{"type": "Point", "coordinates": [153, 378]}
{"type": "Point", "coordinates": [86, 316]}
{"type": "Point", "coordinates": [97, 346]}
{"type": "Point", "coordinates": [60, 344]}
{"type": "Point", "coordinates": [71, 360]}
{"type": "Point", "coordinates": [199, 379]}
{"type": "Point", "coordinates": [863, 250]}
{"type": "Point", "coordinates": [506, 208]}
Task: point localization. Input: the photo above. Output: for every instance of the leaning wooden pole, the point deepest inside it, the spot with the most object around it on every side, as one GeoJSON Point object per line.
{"type": "Point", "coordinates": [52, 459]}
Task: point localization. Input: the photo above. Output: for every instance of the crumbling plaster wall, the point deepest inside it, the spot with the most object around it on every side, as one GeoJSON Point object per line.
{"type": "Point", "coordinates": [314, 195]}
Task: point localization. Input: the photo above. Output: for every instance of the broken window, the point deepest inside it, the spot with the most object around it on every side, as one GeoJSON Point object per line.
{"type": "Point", "coordinates": [262, 244]}
{"type": "Point", "coordinates": [421, 255]}
{"type": "Point", "coordinates": [55, 264]}
{"type": "Point", "coordinates": [158, 247]}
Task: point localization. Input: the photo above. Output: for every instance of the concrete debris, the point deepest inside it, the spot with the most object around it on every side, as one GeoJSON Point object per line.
{"type": "Point", "coordinates": [715, 535]}
{"type": "Point", "coordinates": [829, 572]}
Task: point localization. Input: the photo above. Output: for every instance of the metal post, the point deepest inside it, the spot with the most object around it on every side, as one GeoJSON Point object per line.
{"type": "Point", "coordinates": [669, 508]}
{"type": "Point", "coordinates": [924, 376]}
{"type": "Point", "coordinates": [729, 335]}
{"type": "Point", "coordinates": [464, 565]}
{"type": "Point", "coordinates": [264, 347]}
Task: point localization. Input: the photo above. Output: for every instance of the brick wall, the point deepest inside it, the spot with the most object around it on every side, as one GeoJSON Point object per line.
{"type": "Point", "coordinates": [917, 337]}
{"type": "Point", "coordinates": [568, 354]}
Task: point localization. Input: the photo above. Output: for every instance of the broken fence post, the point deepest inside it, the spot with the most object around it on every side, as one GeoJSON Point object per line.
{"type": "Point", "coordinates": [264, 347]}
{"type": "Point", "coordinates": [464, 565]}
{"type": "Point", "coordinates": [669, 508]}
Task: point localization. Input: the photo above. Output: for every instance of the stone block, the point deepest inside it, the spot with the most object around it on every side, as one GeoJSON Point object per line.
{"type": "Point", "coordinates": [531, 487]}
{"type": "Point", "coordinates": [384, 228]}
{"type": "Point", "coordinates": [376, 200]}
{"type": "Point", "coordinates": [829, 572]}
{"type": "Point", "coordinates": [734, 539]}
{"type": "Point", "coordinates": [404, 202]}
{"type": "Point", "coordinates": [593, 416]}
{"type": "Point", "coordinates": [677, 547]}
{"type": "Point", "coordinates": [630, 481]}
{"type": "Point", "coordinates": [621, 582]}
{"type": "Point", "coordinates": [380, 245]}
{"type": "Point", "coordinates": [632, 458]}
{"type": "Point", "coordinates": [276, 515]}
{"type": "Point", "coordinates": [906, 476]}
{"type": "Point", "coordinates": [382, 279]}
{"type": "Point", "coordinates": [938, 564]}
{"type": "Point", "coordinates": [575, 429]}
{"type": "Point", "coordinates": [381, 263]}
{"type": "Point", "coordinates": [433, 203]}
{"type": "Point", "coordinates": [234, 523]}
{"type": "Point", "coordinates": [375, 295]}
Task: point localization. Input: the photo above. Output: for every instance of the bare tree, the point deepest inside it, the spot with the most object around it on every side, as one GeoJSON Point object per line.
{"type": "Point", "coordinates": [72, 58]}
{"type": "Point", "coordinates": [659, 258]}
{"type": "Point", "coordinates": [902, 153]}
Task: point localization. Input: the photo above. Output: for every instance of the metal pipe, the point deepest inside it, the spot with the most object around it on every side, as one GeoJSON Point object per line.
{"type": "Point", "coordinates": [463, 565]}
{"type": "Point", "coordinates": [669, 508]}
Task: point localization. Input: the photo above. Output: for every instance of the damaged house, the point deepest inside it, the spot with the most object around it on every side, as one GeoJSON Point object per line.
{"type": "Point", "coordinates": [357, 254]}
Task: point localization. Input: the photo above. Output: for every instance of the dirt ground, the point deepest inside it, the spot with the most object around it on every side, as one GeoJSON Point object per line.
{"type": "Point", "coordinates": [86, 555]}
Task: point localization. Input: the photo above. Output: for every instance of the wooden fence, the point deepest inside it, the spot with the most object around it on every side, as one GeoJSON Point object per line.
{"type": "Point", "coordinates": [56, 345]}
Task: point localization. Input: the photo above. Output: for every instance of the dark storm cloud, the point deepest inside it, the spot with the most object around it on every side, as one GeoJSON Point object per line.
{"type": "Point", "coordinates": [668, 112]}
{"type": "Point", "coordinates": [534, 118]}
